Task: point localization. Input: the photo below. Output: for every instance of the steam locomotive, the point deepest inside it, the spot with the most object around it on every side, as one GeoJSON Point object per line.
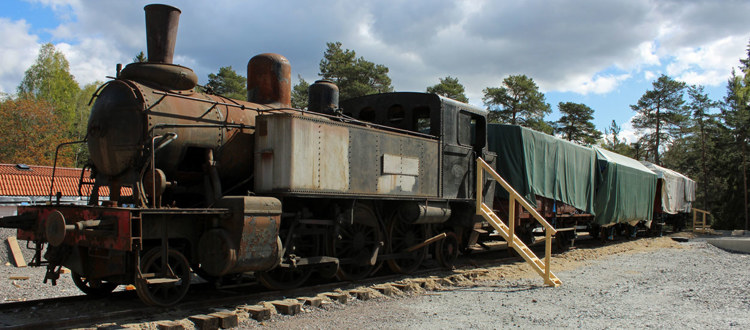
{"type": "Point", "coordinates": [222, 186]}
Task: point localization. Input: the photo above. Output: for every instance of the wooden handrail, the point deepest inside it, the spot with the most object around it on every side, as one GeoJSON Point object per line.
{"type": "Point", "coordinates": [702, 223]}
{"type": "Point", "coordinates": [514, 195]}
{"type": "Point", "coordinates": [508, 232]}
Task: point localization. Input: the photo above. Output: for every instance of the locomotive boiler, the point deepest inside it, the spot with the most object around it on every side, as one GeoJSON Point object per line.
{"type": "Point", "coordinates": [221, 186]}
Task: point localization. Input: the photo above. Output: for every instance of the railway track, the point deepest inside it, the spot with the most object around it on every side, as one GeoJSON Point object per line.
{"type": "Point", "coordinates": [123, 307]}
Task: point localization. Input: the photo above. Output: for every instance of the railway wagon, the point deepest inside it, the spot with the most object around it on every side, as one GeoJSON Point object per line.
{"type": "Point", "coordinates": [675, 194]}
{"type": "Point", "coordinates": [583, 188]}
{"type": "Point", "coordinates": [222, 186]}
{"type": "Point", "coordinates": [555, 175]}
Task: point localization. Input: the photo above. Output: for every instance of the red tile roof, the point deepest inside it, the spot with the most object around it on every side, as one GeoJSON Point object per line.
{"type": "Point", "coordinates": [32, 180]}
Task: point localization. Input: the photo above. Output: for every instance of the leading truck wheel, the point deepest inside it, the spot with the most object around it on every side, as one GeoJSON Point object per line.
{"type": "Point", "coordinates": [94, 288]}
{"type": "Point", "coordinates": [159, 286]}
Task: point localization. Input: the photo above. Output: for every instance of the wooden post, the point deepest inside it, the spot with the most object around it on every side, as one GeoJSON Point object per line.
{"type": "Point", "coordinates": [512, 220]}
{"type": "Point", "coordinates": [547, 253]}
{"type": "Point", "coordinates": [480, 175]}
{"type": "Point", "coordinates": [16, 251]}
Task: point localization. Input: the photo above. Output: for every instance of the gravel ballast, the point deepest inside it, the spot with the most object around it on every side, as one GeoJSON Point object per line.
{"type": "Point", "coordinates": [696, 287]}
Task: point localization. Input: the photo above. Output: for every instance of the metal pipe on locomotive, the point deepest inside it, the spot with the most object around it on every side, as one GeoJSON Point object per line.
{"type": "Point", "coordinates": [223, 186]}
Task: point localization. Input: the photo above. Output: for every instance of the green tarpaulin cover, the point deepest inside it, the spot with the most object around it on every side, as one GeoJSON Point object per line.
{"type": "Point", "coordinates": [535, 163]}
{"type": "Point", "coordinates": [625, 189]}
{"type": "Point", "coordinates": [613, 187]}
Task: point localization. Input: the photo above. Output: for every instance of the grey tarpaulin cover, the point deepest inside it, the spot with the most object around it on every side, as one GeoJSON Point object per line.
{"type": "Point", "coordinates": [625, 189]}
{"type": "Point", "coordinates": [677, 190]}
{"type": "Point", "coordinates": [535, 163]}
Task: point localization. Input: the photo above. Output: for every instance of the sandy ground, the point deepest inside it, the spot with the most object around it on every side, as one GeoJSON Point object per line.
{"type": "Point", "coordinates": [645, 283]}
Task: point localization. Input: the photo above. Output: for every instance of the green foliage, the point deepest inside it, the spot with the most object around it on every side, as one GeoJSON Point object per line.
{"type": "Point", "coordinates": [517, 102]}
{"type": "Point", "coordinates": [49, 80]}
{"type": "Point", "coordinates": [736, 115]}
{"type": "Point", "coordinates": [140, 58]}
{"type": "Point", "coordinates": [712, 148]}
{"type": "Point", "coordinates": [300, 94]}
{"type": "Point", "coordinates": [575, 123]}
{"type": "Point", "coordinates": [660, 114]}
{"type": "Point", "coordinates": [541, 125]}
{"type": "Point", "coordinates": [30, 131]}
{"type": "Point", "coordinates": [612, 142]}
{"type": "Point", "coordinates": [450, 88]}
{"type": "Point", "coordinates": [354, 76]}
{"type": "Point", "coordinates": [228, 83]}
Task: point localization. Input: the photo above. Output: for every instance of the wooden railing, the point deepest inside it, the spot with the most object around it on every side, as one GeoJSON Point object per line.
{"type": "Point", "coordinates": [508, 232]}
{"type": "Point", "coordinates": [700, 225]}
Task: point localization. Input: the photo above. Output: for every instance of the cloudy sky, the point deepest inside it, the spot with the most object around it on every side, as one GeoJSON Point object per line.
{"type": "Point", "coordinates": [603, 53]}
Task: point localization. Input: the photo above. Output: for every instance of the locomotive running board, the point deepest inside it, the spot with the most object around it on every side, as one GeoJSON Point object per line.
{"type": "Point", "coordinates": [508, 233]}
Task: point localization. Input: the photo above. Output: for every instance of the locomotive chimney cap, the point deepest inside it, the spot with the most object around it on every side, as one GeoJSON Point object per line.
{"type": "Point", "coordinates": [161, 32]}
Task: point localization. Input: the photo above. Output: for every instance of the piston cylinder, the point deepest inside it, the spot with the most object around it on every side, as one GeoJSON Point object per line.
{"type": "Point", "coordinates": [418, 213]}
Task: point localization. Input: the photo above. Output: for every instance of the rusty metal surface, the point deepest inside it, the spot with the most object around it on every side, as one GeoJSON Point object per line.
{"type": "Point", "coordinates": [125, 112]}
{"type": "Point", "coordinates": [161, 32]}
{"type": "Point", "coordinates": [249, 238]}
{"type": "Point", "coordinates": [269, 80]}
{"type": "Point", "coordinates": [306, 154]}
{"type": "Point", "coordinates": [113, 231]}
{"type": "Point", "coordinates": [323, 97]}
{"type": "Point", "coordinates": [168, 76]}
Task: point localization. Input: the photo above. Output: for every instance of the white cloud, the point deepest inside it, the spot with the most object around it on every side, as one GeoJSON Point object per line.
{"type": "Point", "coordinates": [708, 64]}
{"type": "Point", "coordinates": [90, 60]}
{"type": "Point", "coordinates": [17, 52]}
{"type": "Point", "coordinates": [628, 133]}
{"type": "Point", "coordinates": [590, 47]}
{"type": "Point", "coordinates": [649, 75]}
{"type": "Point", "coordinates": [598, 84]}
{"type": "Point", "coordinates": [647, 51]}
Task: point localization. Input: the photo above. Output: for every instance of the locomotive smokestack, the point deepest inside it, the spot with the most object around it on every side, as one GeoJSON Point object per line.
{"type": "Point", "coordinates": [269, 80]}
{"type": "Point", "coordinates": [161, 32]}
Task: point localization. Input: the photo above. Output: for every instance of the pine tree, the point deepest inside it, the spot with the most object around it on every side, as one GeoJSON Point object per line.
{"type": "Point", "coordinates": [450, 88]}
{"type": "Point", "coordinates": [353, 75]}
{"type": "Point", "coordinates": [575, 123]}
{"type": "Point", "coordinates": [518, 102]}
{"type": "Point", "coordinates": [228, 83]}
{"type": "Point", "coordinates": [660, 113]}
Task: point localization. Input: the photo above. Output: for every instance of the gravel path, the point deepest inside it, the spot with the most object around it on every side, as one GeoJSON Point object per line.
{"type": "Point", "coordinates": [698, 287]}
{"type": "Point", "coordinates": [31, 288]}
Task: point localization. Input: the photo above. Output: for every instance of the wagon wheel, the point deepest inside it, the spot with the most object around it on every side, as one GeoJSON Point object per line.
{"type": "Point", "coordinates": [355, 243]}
{"type": "Point", "coordinates": [92, 287]}
{"type": "Point", "coordinates": [170, 292]}
{"type": "Point", "coordinates": [564, 240]}
{"type": "Point", "coordinates": [401, 236]}
{"type": "Point", "coordinates": [281, 278]}
{"type": "Point", "coordinates": [446, 250]}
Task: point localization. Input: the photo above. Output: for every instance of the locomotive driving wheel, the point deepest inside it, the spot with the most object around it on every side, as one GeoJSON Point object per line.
{"type": "Point", "coordinates": [91, 287]}
{"type": "Point", "coordinates": [357, 244]}
{"type": "Point", "coordinates": [161, 286]}
{"type": "Point", "coordinates": [401, 236]}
